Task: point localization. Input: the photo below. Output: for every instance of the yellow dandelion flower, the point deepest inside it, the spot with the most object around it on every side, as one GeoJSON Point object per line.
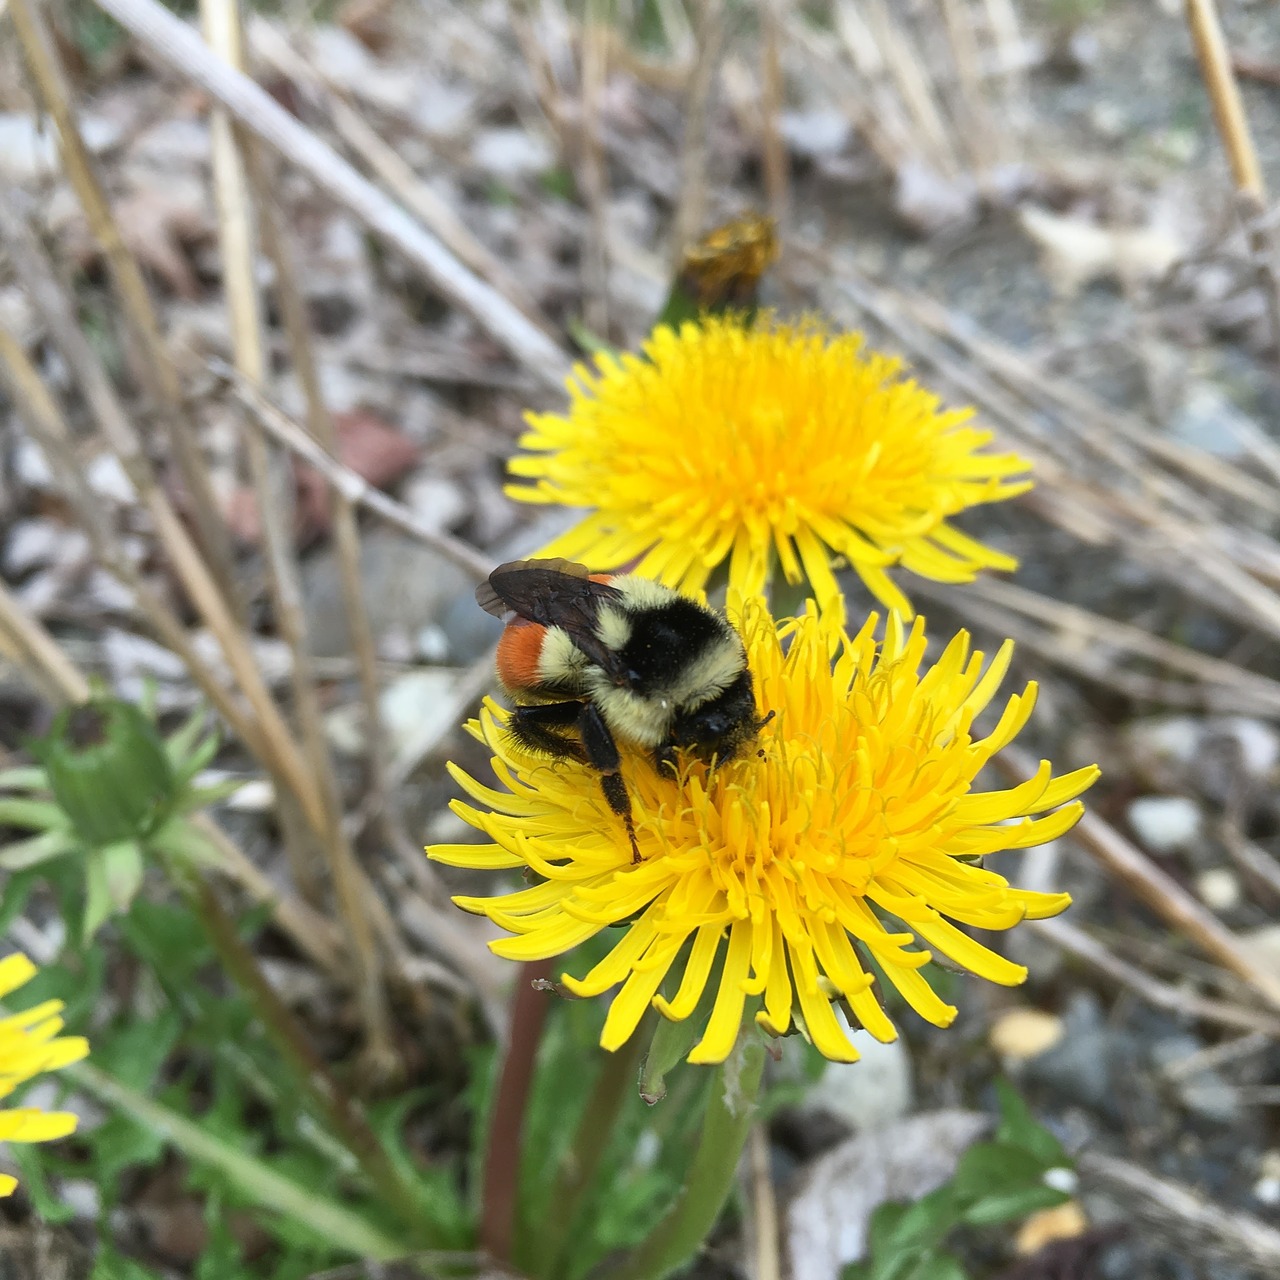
{"type": "Point", "coordinates": [30, 1044]}
{"type": "Point", "coordinates": [745, 443]}
{"type": "Point", "coordinates": [856, 812]}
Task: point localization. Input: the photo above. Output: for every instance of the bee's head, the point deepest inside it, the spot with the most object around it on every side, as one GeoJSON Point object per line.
{"type": "Point", "coordinates": [721, 727]}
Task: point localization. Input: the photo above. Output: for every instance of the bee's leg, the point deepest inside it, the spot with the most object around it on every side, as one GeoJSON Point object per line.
{"type": "Point", "coordinates": [541, 727]}
{"type": "Point", "coordinates": [602, 754]}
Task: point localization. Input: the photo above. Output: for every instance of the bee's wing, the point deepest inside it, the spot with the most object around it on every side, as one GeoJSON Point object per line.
{"type": "Point", "coordinates": [552, 593]}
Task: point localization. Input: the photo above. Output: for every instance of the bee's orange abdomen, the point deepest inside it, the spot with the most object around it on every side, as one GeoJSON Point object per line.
{"type": "Point", "coordinates": [519, 650]}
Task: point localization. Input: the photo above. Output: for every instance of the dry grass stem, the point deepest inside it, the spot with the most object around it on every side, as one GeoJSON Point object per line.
{"type": "Point", "coordinates": [595, 174]}
{"type": "Point", "coordinates": [236, 214]}
{"type": "Point", "coordinates": [1252, 859]}
{"type": "Point", "coordinates": [237, 236]}
{"type": "Point", "coordinates": [907, 71]}
{"type": "Point", "coordinates": [1202, 556]}
{"type": "Point", "coordinates": [777, 163]}
{"type": "Point", "coordinates": [1224, 93]}
{"type": "Point", "coordinates": [179, 47]}
{"type": "Point", "coordinates": [271, 737]}
{"type": "Point", "coordinates": [1219, 75]}
{"type": "Point", "coordinates": [765, 1246]}
{"type": "Point", "coordinates": [691, 208]}
{"type": "Point", "coordinates": [153, 364]}
{"type": "Point", "coordinates": [1129, 865]}
{"type": "Point", "coordinates": [1076, 942]}
{"type": "Point", "coordinates": [975, 129]}
{"type": "Point", "coordinates": [872, 104]}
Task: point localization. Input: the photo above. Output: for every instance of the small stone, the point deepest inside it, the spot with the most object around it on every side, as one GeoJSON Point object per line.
{"type": "Point", "coordinates": [30, 466]}
{"type": "Point", "coordinates": [816, 135]}
{"type": "Point", "coordinates": [406, 587]}
{"type": "Point", "coordinates": [512, 153]}
{"type": "Point", "coordinates": [1258, 743]}
{"type": "Point", "coordinates": [1164, 824]}
{"type": "Point", "coordinates": [82, 1197]}
{"type": "Point", "coordinates": [29, 143]}
{"type": "Point", "coordinates": [438, 503]}
{"type": "Point", "coordinates": [1108, 119]}
{"type": "Point", "coordinates": [1219, 889]}
{"type": "Point", "coordinates": [1267, 1189]}
{"type": "Point", "coordinates": [32, 544]}
{"type": "Point", "coordinates": [256, 796]}
{"type": "Point", "coordinates": [1092, 1062]}
{"type": "Point", "coordinates": [930, 203]}
{"type": "Point", "coordinates": [106, 476]}
{"type": "Point", "coordinates": [1063, 1222]}
{"type": "Point", "coordinates": [1263, 946]}
{"type": "Point", "coordinates": [1208, 420]}
{"type": "Point", "coordinates": [1166, 738]}
{"type": "Point", "coordinates": [1211, 1097]}
{"type": "Point", "coordinates": [1019, 1034]}
{"type": "Point", "coordinates": [870, 1093]}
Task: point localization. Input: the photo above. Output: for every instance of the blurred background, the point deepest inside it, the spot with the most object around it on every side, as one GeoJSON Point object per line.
{"type": "Point", "coordinates": [1054, 210]}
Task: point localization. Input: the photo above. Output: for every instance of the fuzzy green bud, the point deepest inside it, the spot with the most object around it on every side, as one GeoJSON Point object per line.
{"type": "Point", "coordinates": [108, 770]}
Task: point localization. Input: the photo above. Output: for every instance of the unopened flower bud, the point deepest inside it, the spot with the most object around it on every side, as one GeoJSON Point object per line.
{"type": "Point", "coordinates": [108, 771]}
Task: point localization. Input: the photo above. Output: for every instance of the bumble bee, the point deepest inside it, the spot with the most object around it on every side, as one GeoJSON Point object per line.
{"type": "Point", "coordinates": [593, 659]}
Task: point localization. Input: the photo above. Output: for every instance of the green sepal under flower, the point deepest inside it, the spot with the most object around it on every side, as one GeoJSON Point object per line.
{"type": "Point", "coordinates": [115, 793]}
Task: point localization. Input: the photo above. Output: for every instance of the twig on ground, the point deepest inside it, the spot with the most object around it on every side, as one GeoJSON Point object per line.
{"type": "Point", "coordinates": [1182, 1215]}
{"type": "Point", "coordinates": [178, 46]}
{"type": "Point", "coordinates": [358, 490]}
{"type": "Point", "coordinates": [1162, 995]}
{"type": "Point", "coordinates": [1157, 889]}
{"type": "Point", "coordinates": [1251, 857]}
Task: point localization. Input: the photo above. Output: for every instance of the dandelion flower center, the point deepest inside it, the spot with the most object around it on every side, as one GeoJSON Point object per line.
{"type": "Point", "coordinates": [849, 835]}
{"type": "Point", "coordinates": [750, 443]}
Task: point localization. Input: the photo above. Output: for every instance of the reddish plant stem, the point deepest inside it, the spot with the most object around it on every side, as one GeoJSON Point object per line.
{"type": "Point", "coordinates": [502, 1154]}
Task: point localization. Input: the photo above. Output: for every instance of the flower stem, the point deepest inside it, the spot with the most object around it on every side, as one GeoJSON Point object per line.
{"type": "Point", "coordinates": [506, 1128]}
{"type": "Point", "coordinates": [345, 1119]}
{"type": "Point", "coordinates": [580, 1163]}
{"type": "Point", "coordinates": [730, 1112]}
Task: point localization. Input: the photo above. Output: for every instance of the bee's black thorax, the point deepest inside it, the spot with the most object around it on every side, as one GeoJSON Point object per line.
{"type": "Point", "coordinates": [664, 641]}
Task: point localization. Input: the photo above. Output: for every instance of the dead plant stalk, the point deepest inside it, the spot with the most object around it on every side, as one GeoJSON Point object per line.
{"type": "Point", "coordinates": [1228, 109]}
{"type": "Point", "coordinates": [237, 220]}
